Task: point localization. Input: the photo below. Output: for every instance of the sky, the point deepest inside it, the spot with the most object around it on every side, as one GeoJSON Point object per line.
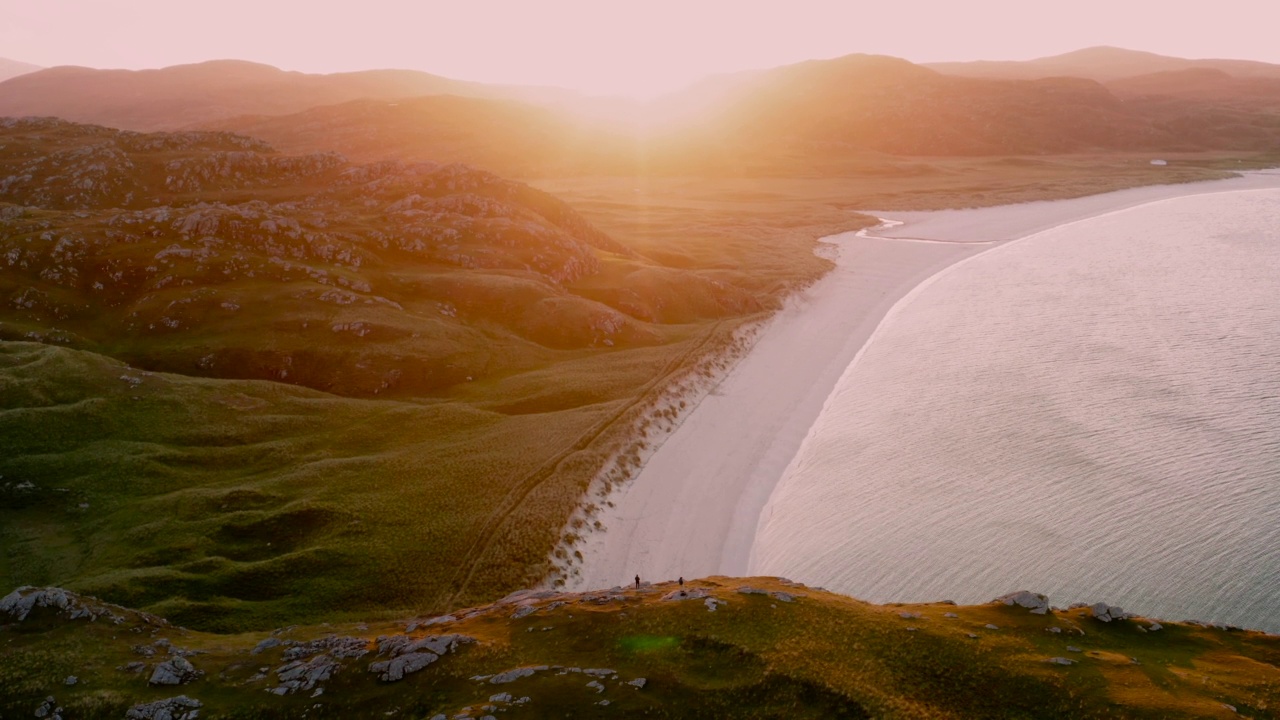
{"type": "Point", "coordinates": [614, 47]}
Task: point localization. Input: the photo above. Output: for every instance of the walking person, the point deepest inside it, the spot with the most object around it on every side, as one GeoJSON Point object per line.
{"type": "Point", "coordinates": [637, 582]}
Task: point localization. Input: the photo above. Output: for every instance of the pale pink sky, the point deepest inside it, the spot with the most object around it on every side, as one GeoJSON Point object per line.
{"type": "Point", "coordinates": [612, 46]}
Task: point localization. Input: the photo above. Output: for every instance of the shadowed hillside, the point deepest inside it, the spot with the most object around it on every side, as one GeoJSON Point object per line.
{"type": "Point", "coordinates": [212, 255]}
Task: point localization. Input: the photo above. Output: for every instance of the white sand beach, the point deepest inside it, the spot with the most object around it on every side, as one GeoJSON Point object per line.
{"type": "Point", "coordinates": [694, 507]}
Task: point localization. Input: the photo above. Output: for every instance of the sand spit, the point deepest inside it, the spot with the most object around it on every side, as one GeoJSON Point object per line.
{"type": "Point", "coordinates": [693, 508]}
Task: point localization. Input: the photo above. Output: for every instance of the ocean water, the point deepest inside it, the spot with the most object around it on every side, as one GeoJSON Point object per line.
{"type": "Point", "coordinates": [1092, 413]}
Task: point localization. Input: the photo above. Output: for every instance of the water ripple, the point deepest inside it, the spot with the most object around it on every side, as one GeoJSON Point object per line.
{"type": "Point", "coordinates": [1091, 413]}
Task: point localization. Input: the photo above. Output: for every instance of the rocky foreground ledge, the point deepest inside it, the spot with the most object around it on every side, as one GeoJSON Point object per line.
{"type": "Point", "coordinates": [718, 647]}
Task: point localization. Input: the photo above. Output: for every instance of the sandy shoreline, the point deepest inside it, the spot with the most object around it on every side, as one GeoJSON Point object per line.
{"type": "Point", "coordinates": [694, 507]}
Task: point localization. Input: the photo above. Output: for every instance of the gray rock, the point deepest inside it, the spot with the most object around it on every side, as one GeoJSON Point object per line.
{"type": "Point", "coordinates": [950, 615]}
{"type": "Point", "coordinates": [595, 684]}
{"type": "Point", "coordinates": [638, 682]}
{"type": "Point", "coordinates": [265, 645]}
{"type": "Point", "coordinates": [1107, 613]}
{"type": "Point", "coordinates": [71, 680]}
{"type": "Point", "coordinates": [174, 708]}
{"type": "Point", "coordinates": [523, 610]}
{"type": "Point", "coordinates": [334, 645]}
{"type": "Point", "coordinates": [712, 603]}
{"type": "Point", "coordinates": [500, 697]}
{"type": "Point", "coordinates": [46, 708]}
{"type": "Point", "coordinates": [599, 672]}
{"type": "Point", "coordinates": [989, 626]}
{"type": "Point", "coordinates": [515, 674]}
{"type": "Point", "coordinates": [429, 622]}
{"type": "Point", "coordinates": [690, 594]}
{"type": "Point", "coordinates": [910, 616]}
{"type": "Point", "coordinates": [299, 675]}
{"type": "Point", "coordinates": [1035, 602]}
{"type": "Point", "coordinates": [1154, 627]}
{"type": "Point", "coordinates": [1073, 648]}
{"type": "Point", "coordinates": [174, 671]}
{"type": "Point", "coordinates": [396, 668]}
{"type": "Point", "coordinates": [1061, 661]}
{"type": "Point", "coordinates": [1055, 629]}
{"type": "Point", "coordinates": [971, 636]}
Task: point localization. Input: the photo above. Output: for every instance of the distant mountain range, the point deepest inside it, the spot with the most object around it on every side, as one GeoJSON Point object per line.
{"type": "Point", "coordinates": [13, 68]}
{"type": "Point", "coordinates": [1102, 64]}
{"type": "Point", "coordinates": [811, 117]}
{"type": "Point", "coordinates": [184, 95]}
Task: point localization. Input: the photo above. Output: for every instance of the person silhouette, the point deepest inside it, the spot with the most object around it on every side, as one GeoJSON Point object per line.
{"type": "Point", "coordinates": [637, 582]}
{"type": "Point", "coordinates": [681, 581]}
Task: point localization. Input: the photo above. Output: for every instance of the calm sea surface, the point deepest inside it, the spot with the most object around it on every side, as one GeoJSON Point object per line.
{"type": "Point", "coordinates": [1092, 413]}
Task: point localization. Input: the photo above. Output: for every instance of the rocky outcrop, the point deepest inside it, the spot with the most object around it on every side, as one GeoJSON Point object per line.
{"type": "Point", "coordinates": [514, 674]}
{"type": "Point", "coordinates": [19, 604]}
{"type": "Point", "coordinates": [1107, 613]}
{"type": "Point", "coordinates": [1035, 602]}
{"type": "Point", "coordinates": [304, 675]}
{"type": "Point", "coordinates": [779, 595]}
{"type": "Point", "coordinates": [409, 655]}
{"type": "Point", "coordinates": [177, 670]}
{"type": "Point", "coordinates": [174, 708]}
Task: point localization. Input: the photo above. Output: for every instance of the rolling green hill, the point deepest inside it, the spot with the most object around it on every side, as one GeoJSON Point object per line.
{"type": "Point", "coordinates": [240, 387]}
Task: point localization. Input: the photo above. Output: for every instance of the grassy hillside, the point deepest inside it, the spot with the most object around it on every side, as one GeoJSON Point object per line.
{"type": "Point", "coordinates": [756, 647]}
{"type": "Point", "coordinates": [245, 388]}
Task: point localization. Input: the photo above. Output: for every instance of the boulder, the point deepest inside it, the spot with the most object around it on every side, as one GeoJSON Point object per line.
{"type": "Point", "coordinates": [265, 645]}
{"type": "Point", "coordinates": [396, 668]}
{"type": "Point", "coordinates": [177, 670]}
{"type": "Point", "coordinates": [1061, 661]}
{"type": "Point", "coordinates": [1035, 602]}
{"type": "Point", "coordinates": [299, 675]}
{"type": "Point", "coordinates": [1107, 613]}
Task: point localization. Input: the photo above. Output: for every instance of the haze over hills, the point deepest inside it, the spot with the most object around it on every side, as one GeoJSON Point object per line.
{"type": "Point", "coordinates": [13, 68]}
{"type": "Point", "coordinates": [822, 116]}
{"type": "Point", "coordinates": [182, 95]}
{"type": "Point", "coordinates": [815, 116]}
{"type": "Point", "coordinates": [1102, 64]}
